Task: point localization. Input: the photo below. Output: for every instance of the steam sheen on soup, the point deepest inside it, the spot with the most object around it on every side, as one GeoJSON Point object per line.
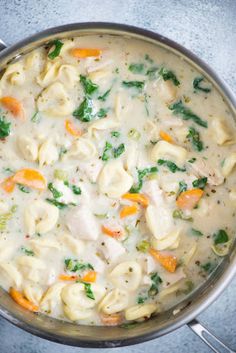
{"type": "Point", "coordinates": [117, 194]}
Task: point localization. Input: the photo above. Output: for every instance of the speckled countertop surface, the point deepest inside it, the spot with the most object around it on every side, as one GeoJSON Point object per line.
{"type": "Point", "coordinates": [208, 28]}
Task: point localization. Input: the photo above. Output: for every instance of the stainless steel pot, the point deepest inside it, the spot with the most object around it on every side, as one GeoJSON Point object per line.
{"type": "Point", "coordinates": [187, 310]}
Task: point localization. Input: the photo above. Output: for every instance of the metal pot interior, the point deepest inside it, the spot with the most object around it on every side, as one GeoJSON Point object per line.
{"type": "Point", "coordinates": [94, 336]}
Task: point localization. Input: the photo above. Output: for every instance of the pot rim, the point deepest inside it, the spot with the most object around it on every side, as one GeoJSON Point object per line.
{"type": "Point", "coordinates": [194, 309]}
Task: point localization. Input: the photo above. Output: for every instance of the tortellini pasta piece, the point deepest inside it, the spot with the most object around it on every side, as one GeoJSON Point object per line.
{"type": "Point", "coordinates": [68, 75]}
{"type": "Point", "coordinates": [33, 292]}
{"type": "Point", "coordinates": [229, 164]}
{"type": "Point", "coordinates": [77, 306]}
{"type": "Point", "coordinates": [13, 75]}
{"type": "Point", "coordinates": [114, 301]}
{"type": "Point", "coordinates": [40, 217]}
{"type": "Point", "coordinates": [159, 221]}
{"type": "Point", "coordinates": [103, 124]}
{"type": "Point", "coordinates": [166, 150]}
{"type": "Point", "coordinates": [54, 71]}
{"type": "Point", "coordinates": [10, 274]}
{"type": "Point", "coordinates": [166, 91]}
{"type": "Point", "coordinates": [127, 275]}
{"type": "Point", "coordinates": [43, 245]}
{"type": "Point", "coordinates": [34, 60]}
{"type": "Point", "coordinates": [31, 267]}
{"type": "Point", "coordinates": [82, 149]}
{"type": "Point", "coordinates": [48, 153]}
{"type": "Point", "coordinates": [76, 246]}
{"type": "Point", "coordinates": [189, 255]}
{"type": "Point", "coordinates": [55, 101]}
{"type": "Point", "coordinates": [170, 241]}
{"type": "Point", "coordinates": [221, 132]}
{"type": "Point", "coordinates": [114, 180]}
{"type": "Point", "coordinates": [140, 311]}
{"type": "Point", "coordinates": [52, 298]}
{"type": "Point", "coordinates": [28, 147]}
{"type": "Point", "coordinates": [49, 74]}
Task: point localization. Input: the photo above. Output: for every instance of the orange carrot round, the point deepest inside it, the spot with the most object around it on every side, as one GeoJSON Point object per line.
{"type": "Point", "coordinates": [31, 178]}
{"type": "Point", "coordinates": [90, 276]}
{"type": "Point", "coordinates": [14, 106]}
{"type": "Point", "coordinates": [169, 262]}
{"type": "Point", "coordinates": [8, 185]}
{"type": "Point", "coordinates": [187, 200]}
{"type": "Point", "coordinates": [166, 137]}
{"type": "Point", "coordinates": [22, 301]}
{"type": "Point", "coordinates": [85, 52]}
{"type": "Point", "coordinates": [128, 210]}
{"type": "Point", "coordinates": [112, 233]}
{"type": "Point", "coordinates": [111, 320]}
{"type": "Point", "coordinates": [64, 277]}
{"type": "Point", "coordinates": [71, 129]}
{"type": "Point", "coordinates": [139, 198]}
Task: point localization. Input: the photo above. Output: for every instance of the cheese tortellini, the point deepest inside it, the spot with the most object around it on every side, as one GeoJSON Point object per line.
{"type": "Point", "coordinates": [166, 150]}
{"type": "Point", "coordinates": [140, 311]}
{"type": "Point", "coordinates": [127, 275]}
{"type": "Point", "coordinates": [114, 302]}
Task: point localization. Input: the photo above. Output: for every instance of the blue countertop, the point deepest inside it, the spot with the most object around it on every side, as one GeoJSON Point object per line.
{"type": "Point", "coordinates": [208, 28]}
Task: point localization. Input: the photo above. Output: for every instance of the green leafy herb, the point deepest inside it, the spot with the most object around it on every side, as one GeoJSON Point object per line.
{"type": "Point", "coordinates": [197, 86]}
{"type": "Point", "coordinates": [88, 291]}
{"type": "Point", "coordinates": [5, 128]}
{"type": "Point", "coordinates": [170, 165]}
{"type": "Point", "coordinates": [208, 267]}
{"type": "Point", "coordinates": [56, 203]}
{"type": "Point", "coordinates": [220, 237]}
{"type": "Point", "coordinates": [143, 246]}
{"type": "Point", "coordinates": [152, 73]}
{"type": "Point", "coordinates": [141, 174]}
{"type": "Point", "coordinates": [76, 189]}
{"type": "Point", "coordinates": [196, 232]}
{"type": "Point", "coordinates": [27, 251]}
{"type": "Point", "coordinates": [56, 194]}
{"type": "Point", "coordinates": [23, 188]}
{"type": "Point", "coordinates": [36, 117]}
{"type": "Point", "coordinates": [200, 183]}
{"type": "Point", "coordinates": [141, 300]}
{"type": "Point", "coordinates": [192, 160]}
{"type": "Point", "coordinates": [156, 281]}
{"type": "Point", "coordinates": [169, 75]}
{"type": "Point", "coordinates": [136, 68]}
{"type": "Point", "coordinates": [75, 265]}
{"type": "Point", "coordinates": [105, 95]}
{"type": "Point", "coordinates": [178, 214]}
{"type": "Point", "coordinates": [102, 113]}
{"type": "Point", "coordinates": [182, 188]}
{"type": "Point", "coordinates": [115, 134]}
{"type": "Point", "coordinates": [107, 148]}
{"type": "Point", "coordinates": [147, 58]}
{"type": "Point", "coordinates": [119, 150]}
{"type": "Point", "coordinates": [194, 137]}
{"type": "Point", "coordinates": [134, 84]}
{"type": "Point", "coordinates": [88, 85]}
{"type": "Point", "coordinates": [8, 170]}
{"type": "Point", "coordinates": [85, 111]}
{"type": "Point", "coordinates": [179, 109]}
{"type": "Point", "coordinates": [57, 44]}
{"type": "Point", "coordinates": [60, 174]}
{"type": "Point", "coordinates": [134, 134]}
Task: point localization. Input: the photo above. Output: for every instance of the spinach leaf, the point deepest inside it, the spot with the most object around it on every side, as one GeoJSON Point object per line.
{"type": "Point", "coordinates": [85, 111]}
{"type": "Point", "coordinates": [115, 134]}
{"type": "Point", "coordinates": [169, 75]}
{"type": "Point", "coordinates": [56, 194]}
{"type": "Point", "coordinates": [105, 95]}
{"type": "Point", "coordinates": [179, 109]}
{"type": "Point", "coordinates": [119, 150]}
{"type": "Point", "coordinates": [208, 267]}
{"type": "Point", "coordinates": [197, 86]}
{"type": "Point", "coordinates": [220, 237]}
{"type": "Point", "coordinates": [4, 128]}
{"type": "Point", "coordinates": [27, 251]}
{"type": "Point", "coordinates": [141, 300]}
{"type": "Point", "coordinates": [136, 68]}
{"type": "Point", "coordinates": [75, 265]}
{"type": "Point", "coordinates": [178, 214]}
{"type": "Point", "coordinates": [141, 174]}
{"type": "Point", "coordinates": [107, 148]}
{"type": "Point", "coordinates": [76, 189]}
{"type": "Point", "coordinates": [56, 203]}
{"type": "Point", "coordinates": [170, 165]}
{"type": "Point", "coordinates": [200, 183]}
{"type": "Point", "coordinates": [196, 232]}
{"type": "Point", "coordinates": [152, 73]}
{"type": "Point", "coordinates": [182, 188]}
{"type": "Point", "coordinates": [88, 85]}
{"type": "Point", "coordinates": [194, 137]}
{"type": "Point", "coordinates": [156, 281]}
{"type": "Point", "coordinates": [192, 160]}
{"type": "Point", "coordinates": [148, 59]}
{"type": "Point", "coordinates": [134, 84]}
{"type": "Point", "coordinates": [56, 52]}
{"type": "Point", "coordinates": [23, 188]}
{"type": "Point", "coordinates": [88, 291]}
{"type": "Point", "coordinates": [102, 113]}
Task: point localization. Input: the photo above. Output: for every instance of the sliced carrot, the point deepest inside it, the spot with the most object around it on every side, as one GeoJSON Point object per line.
{"type": "Point", "coordinates": [169, 262]}
{"type": "Point", "coordinates": [14, 106]}
{"type": "Point", "coordinates": [139, 198]}
{"type": "Point", "coordinates": [90, 276]}
{"type": "Point", "coordinates": [22, 301]}
{"type": "Point", "coordinates": [166, 137]}
{"type": "Point", "coordinates": [64, 277]}
{"type": "Point", "coordinates": [71, 129]}
{"type": "Point", "coordinates": [111, 320]}
{"type": "Point", "coordinates": [31, 178]}
{"type": "Point", "coordinates": [187, 200]}
{"type": "Point", "coordinates": [8, 185]}
{"type": "Point", "coordinates": [112, 233]}
{"type": "Point", "coordinates": [128, 210]}
{"type": "Point", "coordinates": [85, 52]}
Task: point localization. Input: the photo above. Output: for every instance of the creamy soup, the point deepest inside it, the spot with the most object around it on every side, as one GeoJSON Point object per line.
{"type": "Point", "coordinates": [117, 194]}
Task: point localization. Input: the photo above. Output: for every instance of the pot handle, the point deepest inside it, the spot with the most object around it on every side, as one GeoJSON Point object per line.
{"type": "Point", "coordinates": [212, 341]}
{"type": "Point", "coordinates": [2, 45]}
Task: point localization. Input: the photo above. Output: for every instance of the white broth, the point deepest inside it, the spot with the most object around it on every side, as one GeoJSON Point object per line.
{"type": "Point", "coordinates": [117, 167]}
